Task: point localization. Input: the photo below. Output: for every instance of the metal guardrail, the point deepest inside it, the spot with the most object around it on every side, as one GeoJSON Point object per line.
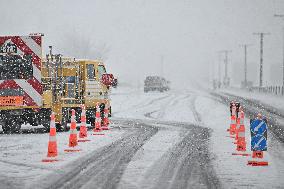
{"type": "Point", "coordinates": [276, 90]}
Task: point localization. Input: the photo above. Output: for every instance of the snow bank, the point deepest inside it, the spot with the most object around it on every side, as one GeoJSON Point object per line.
{"type": "Point", "coordinates": [233, 170]}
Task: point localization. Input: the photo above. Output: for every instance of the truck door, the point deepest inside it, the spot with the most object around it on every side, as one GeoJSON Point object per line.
{"type": "Point", "coordinates": [92, 87]}
{"type": "Point", "coordinates": [90, 71]}
{"type": "Point", "coordinates": [70, 87]}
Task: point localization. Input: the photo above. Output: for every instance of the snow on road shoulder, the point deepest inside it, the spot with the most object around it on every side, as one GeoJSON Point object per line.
{"type": "Point", "coordinates": [269, 99]}
{"type": "Point", "coordinates": [21, 154]}
{"type": "Point", "coordinates": [233, 171]}
{"type": "Point", "coordinates": [147, 156]}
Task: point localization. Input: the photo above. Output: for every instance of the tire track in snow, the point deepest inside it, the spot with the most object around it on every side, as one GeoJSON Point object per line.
{"type": "Point", "coordinates": [143, 104]}
{"type": "Point", "coordinates": [186, 165]}
{"type": "Point", "coordinates": [162, 110]}
{"type": "Point", "coordinates": [102, 168]}
{"type": "Point", "coordinates": [171, 103]}
{"type": "Point", "coordinates": [196, 115]}
{"type": "Point", "coordinates": [26, 165]}
{"type": "Point", "coordinates": [9, 183]}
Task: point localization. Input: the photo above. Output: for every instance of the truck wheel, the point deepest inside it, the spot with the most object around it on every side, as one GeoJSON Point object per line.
{"type": "Point", "coordinates": [109, 111]}
{"type": "Point", "coordinates": [46, 123]}
{"type": "Point", "coordinates": [5, 128]}
{"type": "Point", "coordinates": [11, 126]}
{"type": "Point", "coordinates": [63, 126]}
{"type": "Point", "coordinates": [17, 127]}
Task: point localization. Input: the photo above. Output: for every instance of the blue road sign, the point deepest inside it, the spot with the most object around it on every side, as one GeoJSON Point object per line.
{"type": "Point", "coordinates": [258, 131]}
{"type": "Point", "coordinates": [258, 143]}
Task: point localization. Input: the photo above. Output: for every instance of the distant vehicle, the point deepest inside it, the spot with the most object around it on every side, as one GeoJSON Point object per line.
{"type": "Point", "coordinates": [156, 83]}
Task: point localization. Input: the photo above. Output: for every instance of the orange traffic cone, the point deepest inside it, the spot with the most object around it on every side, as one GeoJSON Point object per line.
{"type": "Point", "coordinates": [52, 144]}
{"type": "Point", "coordinates": [83, 129]}
{"type": "Point", "coordinates": [241, 138]}
{"type": "Point", "coordinates": [73, 135]}
{"type": "Point", "coordinates": [105, 119]}
{"type": "Point", "coordinates": [98, 123]}
{"type": "Point", "coordinates": [233, 124]}
{"type": "Point", "coordinates": [237, 129]}
{"type": "Point", "coordinates": [240, 122]}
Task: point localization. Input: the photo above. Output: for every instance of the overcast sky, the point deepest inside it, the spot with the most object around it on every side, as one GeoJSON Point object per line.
{"type": "Point", "coordinates": [133, 35]}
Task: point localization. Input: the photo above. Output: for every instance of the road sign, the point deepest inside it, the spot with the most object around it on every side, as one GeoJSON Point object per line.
{"type": "Point", "coordinates": [258, 131]}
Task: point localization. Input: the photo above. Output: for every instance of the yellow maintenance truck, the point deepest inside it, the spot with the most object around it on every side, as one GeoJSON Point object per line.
{"type": "Point", "coordinates": [31, 87]}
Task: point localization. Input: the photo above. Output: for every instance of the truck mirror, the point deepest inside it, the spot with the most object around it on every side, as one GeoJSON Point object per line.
{"type": "Point", "coordinates": [107, 79]}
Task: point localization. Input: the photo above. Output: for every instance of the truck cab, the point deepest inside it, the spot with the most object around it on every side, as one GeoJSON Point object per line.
{"type": "Point", "coordinates": [78, 82]}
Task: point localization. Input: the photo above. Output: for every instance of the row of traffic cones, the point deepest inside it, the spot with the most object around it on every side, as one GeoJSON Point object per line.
{"type": "Point", "coordinates": [73, 139]}
{"type": "Point", "coordinates": [237, 131]}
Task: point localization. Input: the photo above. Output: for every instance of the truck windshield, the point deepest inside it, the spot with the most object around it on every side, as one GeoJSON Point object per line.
{"type": "Point", "coordinates": [15, 67]}
{"type": "Point", "coordinates": [101, 70]}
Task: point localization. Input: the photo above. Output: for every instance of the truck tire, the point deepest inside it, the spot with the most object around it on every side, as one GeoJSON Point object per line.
{"type": "Point", "coordinates": [5, 128]}
{"type": "Point", "coordinates": [12, 125]}
{"type": "Point", "coordinates": [46, 123]}
{"type": "Point", "coordinates": [109, 111]}
{"type": "Point", "coordinates": [90, 115]}
{"type": "Point", "coordinates": [63, 126]}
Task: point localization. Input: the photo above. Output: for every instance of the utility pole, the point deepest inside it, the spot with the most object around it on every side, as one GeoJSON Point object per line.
{"type": "Point", "coordinates": [219, 69]}
{"type": "Point", "coordinates": [245, 64]}
{"type": "Point", "coordinates": [162, 65]}
{"type": "Point", "coordinates": [226, 78]}
{"type": "Point", "coordinates": [261, 34]}
{"type": "Point", "coordinates": [220, 58]}
{"type": "Point", "coordinates": [282, 16]}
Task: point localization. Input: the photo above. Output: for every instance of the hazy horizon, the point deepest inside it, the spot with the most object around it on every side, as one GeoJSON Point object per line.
{"type": "Point", "coordinates": [133, 35]}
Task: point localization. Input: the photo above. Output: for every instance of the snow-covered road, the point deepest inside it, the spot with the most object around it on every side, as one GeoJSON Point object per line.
{"type": "Point", "coordinates": [157, 140]}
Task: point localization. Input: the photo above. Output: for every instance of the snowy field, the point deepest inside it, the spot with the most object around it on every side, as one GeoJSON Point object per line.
{"type": "Point", "coordinates": [157, 140]}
